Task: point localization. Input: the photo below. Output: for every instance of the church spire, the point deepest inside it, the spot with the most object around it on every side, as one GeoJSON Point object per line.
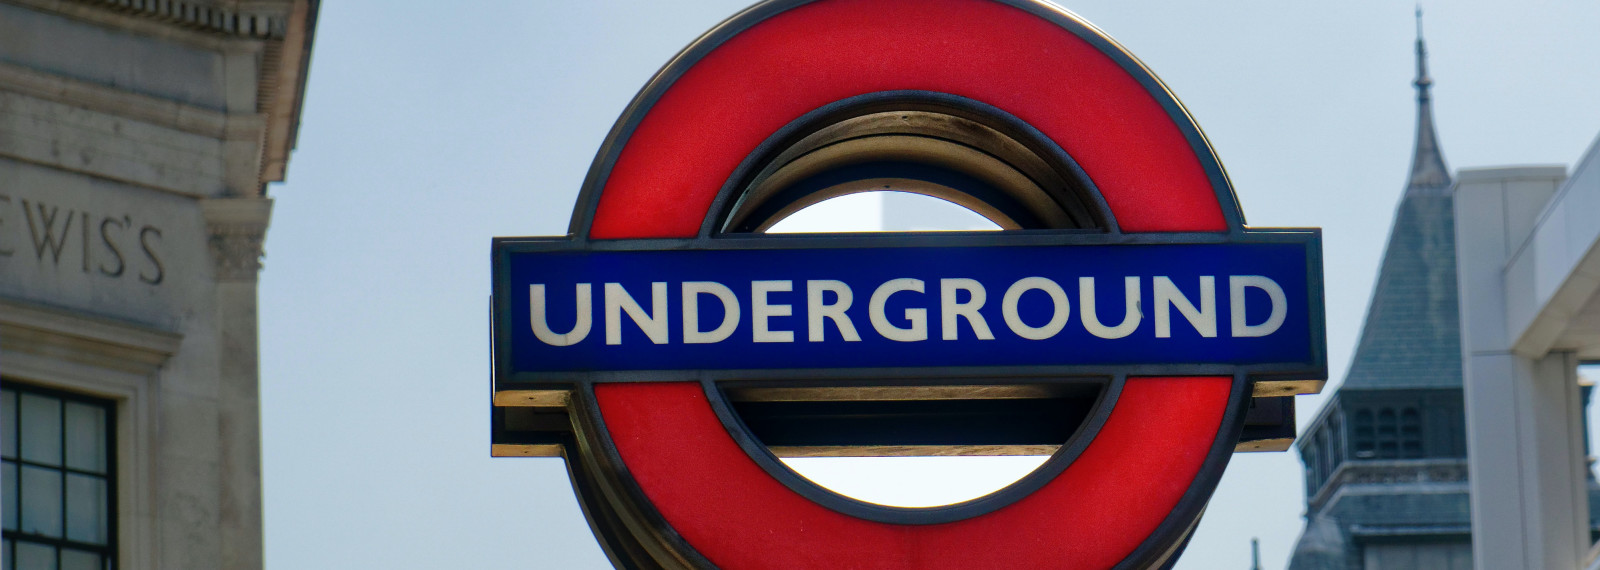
{"type": "Point", "coordinates": [1428, 171]}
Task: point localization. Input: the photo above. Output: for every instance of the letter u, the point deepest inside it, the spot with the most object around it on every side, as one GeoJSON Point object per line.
{"type": "Point", "coordinates": [541, 324]}
{"type": "Point", "coordinates": [1131, 314]}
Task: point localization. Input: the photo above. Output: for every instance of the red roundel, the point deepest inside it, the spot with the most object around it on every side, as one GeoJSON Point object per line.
{"type": "Point", "coordinates": [681, 141]}
{"type": "Point", "coordinates": [757, 81]}
{"type": "Point", "coordinates": [1093, 515]}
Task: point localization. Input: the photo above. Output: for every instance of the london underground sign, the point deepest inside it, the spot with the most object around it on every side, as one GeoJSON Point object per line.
{"type": "Point", "coordinates": [796, 303]}
{"type": "Point", "coordinates": [1126, 323]}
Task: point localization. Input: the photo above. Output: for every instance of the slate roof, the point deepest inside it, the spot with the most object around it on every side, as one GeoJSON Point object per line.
{"type": "Point", "coordinates": [1412, 334]}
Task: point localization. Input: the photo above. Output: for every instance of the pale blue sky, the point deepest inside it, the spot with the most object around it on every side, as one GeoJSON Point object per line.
{"type": "Point", "coordinates": [430, 127]}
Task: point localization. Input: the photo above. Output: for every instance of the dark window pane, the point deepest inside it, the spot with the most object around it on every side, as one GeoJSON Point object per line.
{"type": "Point", "coordinates": [41, 501]}
{"type": "Point", "coordinates": [8, 401]}
{"type": "Point", "coordinates": [86, 509]}
{"type": "Point", "coordinates": [41, 429]}
{"type": "Point", "coordinates": [51, 435]}
{"type": "Point", "coordinates": [86, 437]}
{"type": "Point", "coordinates": [9, 474]}
{"type": "Point", "coordinates": [1362, 434]}
{"type": "Point", "coordinates": [32, 556]}
{"type": "Point", "coordinates": [79, 560]}
{"type": "Point", "coordinates": [1386, 423]}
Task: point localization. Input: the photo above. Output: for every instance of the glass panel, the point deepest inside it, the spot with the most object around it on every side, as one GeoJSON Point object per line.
{"type": "Point", "coordinates": [5, 557]}
{"type": "Point", "coordinates": [10, 501]}
{"type": "Point", "coordinates": [41, 429]}
{"type": "Point", "coordinates": [8, 423]}
{"type": "Point", "coordinates": [86, 509]}
{"type": "Point", "coordinates": [41, 501]}
{"type": "Point", "coordinates": [86, 437]}
{"type": "Point", "coordinates": [79, 560]}
{"type": "Point", "coordinates": [32, 556]}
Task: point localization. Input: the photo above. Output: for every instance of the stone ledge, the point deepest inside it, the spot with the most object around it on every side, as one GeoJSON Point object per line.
{"type": "Point", "coordinates": [1389, 471]}
{"type": "Point", "coordinates": [52, 332]}
{"type": "Point", "coordinates": [113, 101]}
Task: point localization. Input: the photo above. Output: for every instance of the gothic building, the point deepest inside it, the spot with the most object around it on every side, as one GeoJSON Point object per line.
{"type": "Point", "coordinates": [1386, 469]}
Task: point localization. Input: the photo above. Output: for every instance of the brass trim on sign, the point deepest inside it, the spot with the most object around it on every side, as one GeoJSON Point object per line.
{"type": "Point", "coordinates": [913, 450]}
{"type": "Point", "coordinates": [1282, 444]}
{"type": "Point", "coordinates": [532, 398]}
{"type": "Point", "coordinates": [525, 450]}
{"type": "Point", "coordinates": [1275, 388]}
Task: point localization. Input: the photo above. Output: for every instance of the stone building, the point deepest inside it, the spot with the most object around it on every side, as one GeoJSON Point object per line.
{"type": "Point", "coordinates": [1387, 458]}
{"type": "Point", "coordinates": [137, 141]}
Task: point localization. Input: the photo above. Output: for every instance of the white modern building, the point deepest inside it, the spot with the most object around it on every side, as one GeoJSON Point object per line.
{"type": "Point", "coordinates": [1528, 250]}
{"type": "Point", "coordinates": [137, 140]}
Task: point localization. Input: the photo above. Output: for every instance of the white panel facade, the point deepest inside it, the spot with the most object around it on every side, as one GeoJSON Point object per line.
{"type": "Point", "coordinates": [1524, 255]}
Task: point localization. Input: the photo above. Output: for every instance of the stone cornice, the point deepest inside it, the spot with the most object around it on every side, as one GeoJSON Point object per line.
{"type": "Point", "coordinates": [279, 31]}
{"type": "Point", "coordinates": [264, 19]}
{"type": "Point", "coordinates": [1389, 472]}
{"type": "Point", "coordinates": [236, 229]}
{"type": "Point", "coordinates": [282, 89]}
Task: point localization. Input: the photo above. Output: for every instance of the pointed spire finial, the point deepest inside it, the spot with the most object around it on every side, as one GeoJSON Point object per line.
{"type": "Point", "coordinates": [1428, 171]}
{"type": "Point", "coordinates": [1423, 82]}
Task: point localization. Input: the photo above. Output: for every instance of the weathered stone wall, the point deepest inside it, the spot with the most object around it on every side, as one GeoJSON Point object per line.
{"type": "Point", "coordinates": [132, 218]}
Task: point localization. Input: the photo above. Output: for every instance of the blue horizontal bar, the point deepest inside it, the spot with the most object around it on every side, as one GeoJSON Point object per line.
{"type": "Point", "coordinates": [791, 311]}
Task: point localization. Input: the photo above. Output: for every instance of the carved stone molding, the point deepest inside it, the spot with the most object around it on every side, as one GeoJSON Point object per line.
{"type": "Point", "coordinates": [277, 33]}
{"type": "Point", "coordinates": [235, 231]}
{"type": "Point", "coordinates": [55, 334]}
{"type": "Point", "coordinates": [236, 251]}
{"type": "Point", "coordinates": [1391, 472]}
{"type": "Point", "coordinates": [259, 19]}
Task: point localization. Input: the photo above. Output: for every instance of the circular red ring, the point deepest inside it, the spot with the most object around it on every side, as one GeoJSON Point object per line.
{"type": "Point", "coordinates": [671, 166]}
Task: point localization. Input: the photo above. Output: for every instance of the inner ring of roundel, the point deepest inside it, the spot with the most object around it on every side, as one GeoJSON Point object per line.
{"type": "Point", "coordinates": [1045, 68]}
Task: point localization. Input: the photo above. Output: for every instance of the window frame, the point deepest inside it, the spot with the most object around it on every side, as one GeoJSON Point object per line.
{"type": "Point", "coordinates": [113, 359]}
{"type": "Point", "coordinates": [108, 552]}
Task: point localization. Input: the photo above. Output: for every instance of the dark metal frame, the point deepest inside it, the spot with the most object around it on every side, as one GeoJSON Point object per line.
{"type": "Point", "coordinates": [108, 551]}
{"type": "Point", "coordinates": [1109, 390]}
{"type": "Point", "coordinates": [1082, 188]}
{"type": "Point", "coordinates": [635, 535]}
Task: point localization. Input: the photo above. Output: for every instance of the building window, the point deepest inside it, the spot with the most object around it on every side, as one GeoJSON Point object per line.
{"type": "Point", "coordinates": [1324, 466]}
{"type": "Point", "coordinates": [1410, 433]}
{"type": "Point", "coordinates": [1388, 434]}
{"type": "Point", "coordinates": [1362, 437]}
{"type": "Point", "coordinates": [59, 470]}
{"type": "Point", "coordinates": [1336, 438]}
{"type": "Point", "coordinates": [1309, 454]}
